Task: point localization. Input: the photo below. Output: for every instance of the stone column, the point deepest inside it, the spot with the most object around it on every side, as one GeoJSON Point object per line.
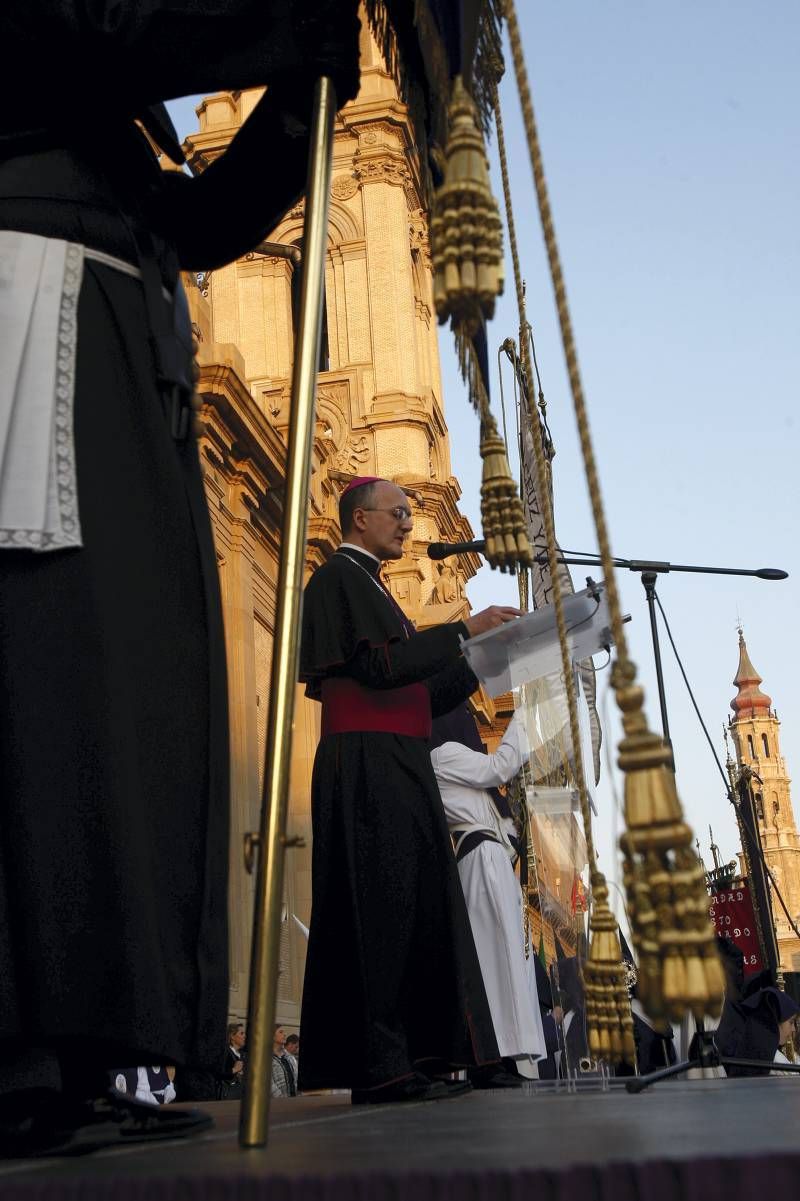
{"type": "Point", "coordinates": [389, 278]}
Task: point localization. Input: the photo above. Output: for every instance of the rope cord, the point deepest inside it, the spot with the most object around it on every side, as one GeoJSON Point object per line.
{"type": "Point", "coordinates": [519, 283]}
{"type": "Point", "coordinates": [540, 394]}
{"type": "Point", "coordinates": [547, 516]}
{"type": "Point", "coordinates": [517, 415]}
{"type": "Point", "coordinates": [678, 967]}
{"type": "Point", "coordinates": [715, 757]}
{"type": "Point", "coordinates": [568, 340]}
{"type": "Point", "coordinates": [502, 394]}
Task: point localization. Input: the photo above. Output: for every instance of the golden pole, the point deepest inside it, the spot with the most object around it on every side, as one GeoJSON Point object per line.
{"type": "Point", "coordinates": [274, 804]}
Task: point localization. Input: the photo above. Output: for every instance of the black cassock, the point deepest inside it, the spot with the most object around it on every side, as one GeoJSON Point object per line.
{"type": "Point", "coordinates": [392, 977]}
{"type": "Point", "coordinates": [113, 715]}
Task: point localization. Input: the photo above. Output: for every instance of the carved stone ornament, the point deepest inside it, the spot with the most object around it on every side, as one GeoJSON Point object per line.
{"type": "Point", "coordinates": [448, 586]}
{"type": "Point", "coordinates": [351, 456]}
{"type": "Point", "coordinates": [384, 170]}
{"type": "Point", "coordinates": [343, 187]}
{"type": "Point", "coordinates": [418, 231]}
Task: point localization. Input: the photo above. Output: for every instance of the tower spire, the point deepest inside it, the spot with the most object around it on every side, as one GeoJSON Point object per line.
{"type": "Point", "coordinates": [749, 697]}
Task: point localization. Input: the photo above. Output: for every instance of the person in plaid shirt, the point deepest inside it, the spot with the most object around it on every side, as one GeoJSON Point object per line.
{"type": "Point", "coordinates": [284, 1083]}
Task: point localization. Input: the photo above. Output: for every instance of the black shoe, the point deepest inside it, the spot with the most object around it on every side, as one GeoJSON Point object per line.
{"type": "Point", "coordinates": [135, 1122]}
{"type": "Point", "coordinates": [413, 1088]}
{"type": "Point", "coordinates": [455, 1087]}
{"type": "Point", "coordinates": [36, 1122]}
{"type": "Point", "coordinates": [33, 1120]}
{"type": "Point", "coordinates": [494, 1078]}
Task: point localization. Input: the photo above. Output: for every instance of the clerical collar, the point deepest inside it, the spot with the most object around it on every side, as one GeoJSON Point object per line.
{"type": "Point", "coordinates": [349, 548]}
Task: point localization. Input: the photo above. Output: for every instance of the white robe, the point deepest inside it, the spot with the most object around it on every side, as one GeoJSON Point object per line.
{"type": "Point", "coordinates": [492, 891]}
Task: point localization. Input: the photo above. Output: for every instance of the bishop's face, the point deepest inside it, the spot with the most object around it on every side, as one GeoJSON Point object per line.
{"type": "Point", "coordinates": [386, 523]}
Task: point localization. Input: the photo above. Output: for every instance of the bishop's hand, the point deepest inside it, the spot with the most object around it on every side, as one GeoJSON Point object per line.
{"type": "Point", "coordinates": [490, 619]}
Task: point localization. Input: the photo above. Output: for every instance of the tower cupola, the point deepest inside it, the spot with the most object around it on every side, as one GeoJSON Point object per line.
{"type": "Point", "coordinates": [749, 699]}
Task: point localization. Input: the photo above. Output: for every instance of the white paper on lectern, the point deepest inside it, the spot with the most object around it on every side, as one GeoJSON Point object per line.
{"type": "Point", "coordinates": [544, 710]}
{"type": "Point", "coordinates": [550, 802]}
{"type": "Point", "coordinates": [528, 648]}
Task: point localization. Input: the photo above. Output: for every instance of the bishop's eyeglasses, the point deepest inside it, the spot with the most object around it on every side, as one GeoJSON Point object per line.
{"type": "Point", "coordinates": [399, 512]}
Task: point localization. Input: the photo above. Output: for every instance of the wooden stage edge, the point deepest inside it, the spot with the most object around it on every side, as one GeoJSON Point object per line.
{"type": "Point", "coordinates": [680, 1141]}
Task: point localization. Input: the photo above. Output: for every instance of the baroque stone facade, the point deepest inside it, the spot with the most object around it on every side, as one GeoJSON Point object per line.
{"type": "Point", "coordinates": [380, 411]}
{"type": "Point", "coordinates": [756, 734]}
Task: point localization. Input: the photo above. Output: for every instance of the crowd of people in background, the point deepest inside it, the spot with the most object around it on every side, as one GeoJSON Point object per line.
{"type": "Point", "coordinates": [158, 1086]}
{"type": "Point", "coordinates": [284, 1064]}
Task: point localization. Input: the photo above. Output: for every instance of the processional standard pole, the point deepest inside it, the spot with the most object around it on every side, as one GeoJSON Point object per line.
{"type": "Point", "coordinates": [754, 858]}
{"type": "Point", "coordinates": [274, 802]}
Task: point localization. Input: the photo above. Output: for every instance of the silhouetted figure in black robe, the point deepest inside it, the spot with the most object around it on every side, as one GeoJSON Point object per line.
{"type": "Point", "coordinates": [113, 717]}
{"type": "Point", "coordinates": [749, 1027]}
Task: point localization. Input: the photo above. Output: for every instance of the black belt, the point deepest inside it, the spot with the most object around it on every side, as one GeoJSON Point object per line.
{"type": "Point", "coordinates": [470, 841]}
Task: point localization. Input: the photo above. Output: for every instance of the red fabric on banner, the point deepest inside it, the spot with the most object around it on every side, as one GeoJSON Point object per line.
{"type": "Point", "coordinates": [732, 915]}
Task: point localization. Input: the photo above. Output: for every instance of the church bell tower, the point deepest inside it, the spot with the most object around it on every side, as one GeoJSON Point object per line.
{"type": "Point", "coordinates": [755, 729]}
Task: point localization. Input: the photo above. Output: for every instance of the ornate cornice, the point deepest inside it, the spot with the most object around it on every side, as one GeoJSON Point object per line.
{"type": "Point", "coordinates": [386, 167]}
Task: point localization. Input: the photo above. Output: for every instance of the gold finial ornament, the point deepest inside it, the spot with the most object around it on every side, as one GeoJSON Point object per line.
{"type": "Point", "coordinates": [679, 968]}
{"type": "Point", "coordinates": [467, 251]}
{"type": "Point", "coordinates": [502, 516]}
{"type": "Point", "coordinates": [466, 241]}
{"type": "Point", "coordinates": [608, 1009]}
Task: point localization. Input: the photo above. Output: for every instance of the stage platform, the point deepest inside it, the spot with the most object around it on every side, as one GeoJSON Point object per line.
{"type": "Point", "coordinates": [699, 1140]}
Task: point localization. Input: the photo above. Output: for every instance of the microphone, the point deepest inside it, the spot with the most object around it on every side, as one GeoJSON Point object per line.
{"type": "Point", "coordinates": [441, 550]}
{"type": "Point", "coordinates": [771, 573]}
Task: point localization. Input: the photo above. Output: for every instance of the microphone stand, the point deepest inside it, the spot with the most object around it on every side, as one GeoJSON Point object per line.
{"type": "Point", "coordinates": [649, 570]}
{"type": "Point", "coordinates": [706, 1053]}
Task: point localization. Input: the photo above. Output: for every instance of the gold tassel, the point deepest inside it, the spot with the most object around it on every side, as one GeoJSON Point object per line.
{"type": "Point", "coordinates": [467, 250]}
{"type": "Point", "coordinates": [679, 967]}
{"type": "Point", "coordinates": [608, 1009]}
{"type": "Point", "coordinates": [466, 240]}
{"type": "Point", "coordinates": [501, 508]}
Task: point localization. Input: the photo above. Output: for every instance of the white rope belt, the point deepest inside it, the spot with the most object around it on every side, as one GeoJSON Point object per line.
{"type": "Point", "coordinates": [110, 260]}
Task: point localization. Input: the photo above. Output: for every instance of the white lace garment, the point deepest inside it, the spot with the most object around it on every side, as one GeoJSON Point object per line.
{"type": "Point", "coordinates": [40, 279]}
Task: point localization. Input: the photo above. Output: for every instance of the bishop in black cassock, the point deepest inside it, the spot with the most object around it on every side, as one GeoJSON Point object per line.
{"type": "Point", "coordinates": [390, 955]}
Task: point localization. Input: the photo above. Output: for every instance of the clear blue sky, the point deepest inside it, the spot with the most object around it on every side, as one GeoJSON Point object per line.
{"type": "Point", "coordinates": [670, 139]}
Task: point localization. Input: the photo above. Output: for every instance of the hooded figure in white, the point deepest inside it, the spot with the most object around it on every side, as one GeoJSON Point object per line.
{"type": "Point", "coordinates": [484, 835]}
